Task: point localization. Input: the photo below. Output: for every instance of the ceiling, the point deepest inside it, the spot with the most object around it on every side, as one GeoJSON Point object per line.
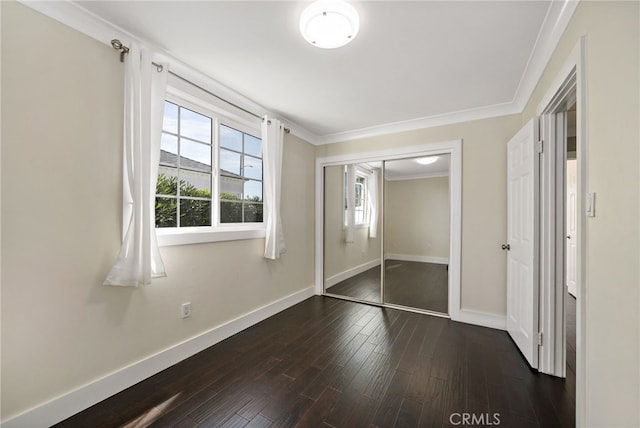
{"type": "Point", "coordinates": [407, 169]}
{"type": "Point", "coordinates": [411, 61]}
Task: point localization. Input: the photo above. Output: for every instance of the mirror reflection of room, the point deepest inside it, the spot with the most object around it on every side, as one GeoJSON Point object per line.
{"type": "Point", "coordinates": [352, 230]}
{"type": "Point", "coordinates": [416, 233]}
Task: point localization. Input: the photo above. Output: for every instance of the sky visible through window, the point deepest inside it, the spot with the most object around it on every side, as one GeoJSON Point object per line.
{"type": "Point", "coordinates": [192, 125]}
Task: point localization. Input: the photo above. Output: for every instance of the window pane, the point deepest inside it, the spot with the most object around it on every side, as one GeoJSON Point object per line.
{"type": "Point", "coordinates": [359, 195]}
{"type": "Point", "coordinates": [230, 138]}
{"type": "Point", "coordinates": [196, 184]}
{"type": "Point", "coordinates": [167, 183]}
{"type": "Point", "coordinates": [253, 213]}
{"type": "Point", "coordinates": [252, 145]}
{"type": "Point", "coordinates": [230, 212]}
{"type": "Point", "coordinates": [195, 125]}
{"type": "Point", "coordinates": [169, 150]}
{"type": "Point", "coordinates": [252, 167]}
{"type": "Point", "coordinates": [231, 187]}
{"type": "Point", "coordinates": [166, 212]}
{"type": "Point", "coordinates": [195, 156]}
{"type": "Point", "coordinates": [253, 190]}
{"type": "Point", "coordinates": [229, 163]}
{"type": "Point", "coordinates": [195, 213]}
{"type": "Point", "coordinates": [170, 120]}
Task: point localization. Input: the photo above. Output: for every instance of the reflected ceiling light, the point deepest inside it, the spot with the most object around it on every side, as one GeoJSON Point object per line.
{"type": "Point", "coordinates": [427, 161]}
{"type": "Point", "coordinates": [329, 24]}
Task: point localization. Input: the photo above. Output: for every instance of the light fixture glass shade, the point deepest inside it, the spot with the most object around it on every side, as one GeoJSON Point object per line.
{"type": "Point", "coordinates": [329, 24]}
{"type": "Point", "coordinates": [427, 161]}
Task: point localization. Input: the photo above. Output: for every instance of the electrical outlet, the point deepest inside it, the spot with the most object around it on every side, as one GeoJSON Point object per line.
{"type": "Point", "coordinates": [185, 310]}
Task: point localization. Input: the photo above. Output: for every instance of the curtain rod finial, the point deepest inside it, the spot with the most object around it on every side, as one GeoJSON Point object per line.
{"type": "Point", "coordinates": [117, 45]}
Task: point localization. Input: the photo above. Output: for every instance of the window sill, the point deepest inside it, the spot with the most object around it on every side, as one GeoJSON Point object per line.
{"type": "Point", "coordinates": [201, 235]}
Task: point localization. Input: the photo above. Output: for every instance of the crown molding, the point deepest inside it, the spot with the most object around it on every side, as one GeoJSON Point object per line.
{"type": "Point", "coordinates": [555, 23]}
{"type": "Point", "coordinates": [421, 123]}
{"type": "Point", "coordinates": [553, 27]}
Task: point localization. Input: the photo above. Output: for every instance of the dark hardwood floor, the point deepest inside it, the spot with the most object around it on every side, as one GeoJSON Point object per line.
{"type": "Point", "coordinates": [328, 362]}
{"type": "Point", "coordinates": [418, 285]}
{"type": "Point", "coordinates": [413, 284]}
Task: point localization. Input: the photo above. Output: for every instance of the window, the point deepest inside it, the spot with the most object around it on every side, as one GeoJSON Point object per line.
{"type": "Point", "coordinates": [240, 177]}
{"type": "Point", "coordinates": [210, 171]}
{"type": "Point", "coordinates": [361, 205]}
{"type": "Point", "coordinates": [361, 199]}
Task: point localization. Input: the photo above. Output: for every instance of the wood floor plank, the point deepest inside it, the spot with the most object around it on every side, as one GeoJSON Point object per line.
{"type": "Point", "coordinates": [259, 422]}
{"type": "Point", "coordinates": [432, 413]}
{"type": "Point", "coordinates": [392, 400]}
{"type": "Point", "coordinates": [320, 409]}
{"type": "Point", "coordinates": [409, 414]}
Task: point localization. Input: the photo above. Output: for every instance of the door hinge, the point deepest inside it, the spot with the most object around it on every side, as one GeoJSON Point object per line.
{"type": "Point", "coordinates": [540, 146]}
{"type": "Point", "coordinates": [539, 338]}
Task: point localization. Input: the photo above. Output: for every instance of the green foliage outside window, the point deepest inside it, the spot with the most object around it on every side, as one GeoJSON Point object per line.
{"type": "Point", "coordinates": [197, 212]}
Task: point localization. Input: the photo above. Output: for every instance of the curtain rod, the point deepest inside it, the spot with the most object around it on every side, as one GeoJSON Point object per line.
{"type": "Point", "coordinates": [117, 45]}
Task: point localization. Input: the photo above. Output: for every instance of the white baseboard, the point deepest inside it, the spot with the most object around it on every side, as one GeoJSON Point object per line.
{"type": "Point", "coordinates": [482, 319]}
{"type": "Point", "coordinates": [415, 258]}
{"type": "Point", "coordinates": [333, 280]}
{"type": "Point", "coordinates": [75, 401]}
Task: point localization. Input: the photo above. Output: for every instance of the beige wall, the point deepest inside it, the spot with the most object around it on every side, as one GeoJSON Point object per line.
{"type": "Point", "coordinates": [338, 255]}
{"type": "Point", "coordinates": [612, 319]}
{"type": "Point", "coordinates": [61, 215]}
{"type": "Point", "coordinates": [417, 217]}
{"type": "Point", "coordinates": [484, 199]}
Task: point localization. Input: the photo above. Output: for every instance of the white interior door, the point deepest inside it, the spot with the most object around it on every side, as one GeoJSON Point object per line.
{"type": "Point", "coordinates": [522, 231]}
{"type": "Point", "coordinates": [572, 219]}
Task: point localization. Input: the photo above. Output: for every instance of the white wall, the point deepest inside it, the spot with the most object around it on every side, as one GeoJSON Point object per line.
{"type": "Point", "coordinates": [61, 215]}
{"type": "Point", "coordinates": [612, 319]}
{"type": "Point", "coordinates": [417, 217]}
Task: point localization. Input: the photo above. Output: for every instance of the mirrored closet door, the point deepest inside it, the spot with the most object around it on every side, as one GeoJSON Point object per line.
{"type": "Point", "coordinates": [352, 231]}
{"type": "Point", "coordinates": [387, 231]}
{"type": "Point", "coordinates": [417, 233]}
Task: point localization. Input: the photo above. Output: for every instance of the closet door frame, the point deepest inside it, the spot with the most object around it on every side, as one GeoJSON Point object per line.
{"type": "Point", "coordinates": [452, 148]}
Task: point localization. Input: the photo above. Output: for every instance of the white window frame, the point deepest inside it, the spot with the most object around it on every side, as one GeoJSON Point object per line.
{"type": "Point", "coordinates": [362, 173]}
{"type": "Point", "coordinates": [217, 232]}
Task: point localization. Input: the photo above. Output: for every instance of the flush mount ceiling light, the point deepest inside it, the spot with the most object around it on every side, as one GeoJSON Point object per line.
{"type": "Point", "coordinates": [427, 161]}
{"type": "Point", "coordinates": [329, 24]}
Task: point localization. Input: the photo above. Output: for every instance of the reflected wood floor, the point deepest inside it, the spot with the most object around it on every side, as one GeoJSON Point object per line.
{"type": "Point", "coordinates": [333, 363]}
{"type": "Point", "coordinates": [364, 286]}
{"type": "Point", "coordinates": [414, 284]}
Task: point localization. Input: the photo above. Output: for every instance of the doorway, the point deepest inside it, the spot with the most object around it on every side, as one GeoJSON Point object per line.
{"type": "Point", "coordinates": [556, 313]}
{"type": "Point", "coordinates": [563, 131]}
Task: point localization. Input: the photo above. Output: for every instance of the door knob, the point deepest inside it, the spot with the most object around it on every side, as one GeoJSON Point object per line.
{"type": "Point", "coordinates": [506, 247]}
{"type": "Point", "coordinates": [568, 236]}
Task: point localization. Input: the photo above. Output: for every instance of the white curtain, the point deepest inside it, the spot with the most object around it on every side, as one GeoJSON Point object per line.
{"type": "Point", "coordinates": [139, 259]}
{"type": "Point", "coordinates": [272, 147]}
{"type": "Point", "coordinates": [349, 236]}
{"type": "Point", "coordinates": [372, 197]}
